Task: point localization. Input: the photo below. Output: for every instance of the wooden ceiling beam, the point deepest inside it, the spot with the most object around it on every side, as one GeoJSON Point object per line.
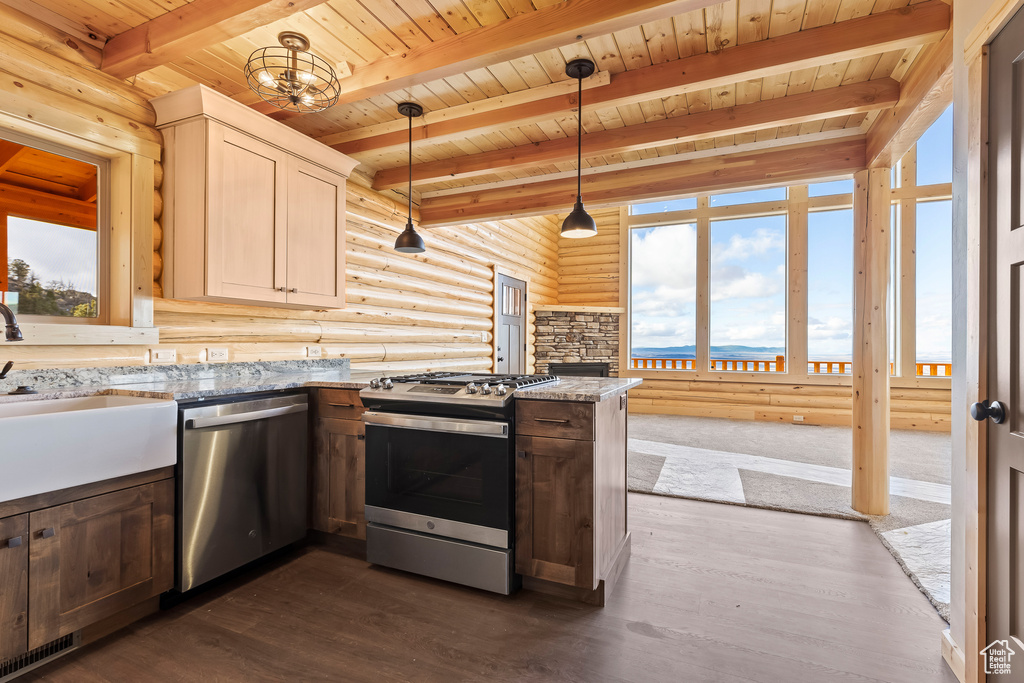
{"type": "Point", "coordinates": [896, 29]}
{"type": "Point", "coordinates": [548, 28]}
{"type": "Point", "coordinates": [189, 29]}
{"type": "Point", "coordinates": [9, 153]}
{"type": "Point", "coordinates": [926, 92]}
{"type": "Point", "coordinates": [42, 206]}
{"type": "Point", "coordinates": [844, 100]}
{"type": "Point", "coordinates": [779, 166]}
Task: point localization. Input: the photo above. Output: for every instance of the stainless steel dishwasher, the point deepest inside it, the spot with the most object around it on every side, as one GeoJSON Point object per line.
{"type": "Point", "coordinates": [242, 485]}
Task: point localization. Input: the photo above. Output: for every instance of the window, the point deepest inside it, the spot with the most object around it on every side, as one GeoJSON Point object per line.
{"type": "Point", "coordinates": [748, 294]}
{"type": "Point", "coordinates": [51, 233]}
{"type": "Point", "coordinates": [934, 328]}
{"type": "Point", "coordinates": [663, 296]}
{"type": "Point", "coordinates": [830, 291]}
{"type": "Point", "coordinates": [664, 206]}
{"type": "Point", "coordinates": [750, 197]}
{"type": "Point", "coordinates": [831, 188]}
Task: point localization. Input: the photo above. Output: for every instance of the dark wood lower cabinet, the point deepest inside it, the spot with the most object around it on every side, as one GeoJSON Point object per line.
{"type": "Point", "coordinates": [13, 586]}
{"type": "Point", "coordinates": [93, 558]}
{"type": "Point", "coordinates": [83, 561]}
{"type": "Point", "coordinates": [341, 477]}
{"type": "Point", "coordinates": [571, 526]}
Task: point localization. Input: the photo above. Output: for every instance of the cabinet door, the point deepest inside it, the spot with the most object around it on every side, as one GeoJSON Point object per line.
{"type": "Point", "coordinates": [13, 586]}
{"type": "Point", "coordinates": [96, 557]}
{"type": "Point", "coordinates": [555, 510]}
{"type": "Point", "coordinates": [316, 236]}
{"type": "Point", "coordinates": [247, 200]}
{"type": "Point", "coordinates": [340, 495]}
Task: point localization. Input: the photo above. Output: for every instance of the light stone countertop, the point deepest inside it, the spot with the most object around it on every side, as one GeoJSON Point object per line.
{"type": "Point", "coordinates": [582, 389]}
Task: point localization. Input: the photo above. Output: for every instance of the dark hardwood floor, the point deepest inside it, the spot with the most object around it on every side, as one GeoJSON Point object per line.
{"type": "Point", "coordinates": [712, 593]}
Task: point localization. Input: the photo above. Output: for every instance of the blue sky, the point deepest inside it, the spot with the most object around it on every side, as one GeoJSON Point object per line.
{"type": "Point", "coordinates": [748, 266]}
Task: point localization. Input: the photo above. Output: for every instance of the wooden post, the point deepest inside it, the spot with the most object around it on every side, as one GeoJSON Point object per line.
{"type": "Point", "coordinates": [703, 354]}
{"type": "Point", "coordinates": [871, 218]}
{"type": "Point", "coordinates": [797, 262]}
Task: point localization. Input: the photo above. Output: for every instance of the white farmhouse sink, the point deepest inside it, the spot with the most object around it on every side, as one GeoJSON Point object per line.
{"type": "Point", "coordinates": [48, 445]}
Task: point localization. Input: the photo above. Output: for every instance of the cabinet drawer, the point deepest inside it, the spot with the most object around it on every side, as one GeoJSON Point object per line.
{"type": "Point", "coordinates": [558, 419]}
{"type": "Point", "coordinates": [343, 404]}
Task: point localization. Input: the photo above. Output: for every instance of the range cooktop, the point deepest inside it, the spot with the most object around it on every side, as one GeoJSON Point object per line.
{"type": "Point", "coordinates": [453, 387]}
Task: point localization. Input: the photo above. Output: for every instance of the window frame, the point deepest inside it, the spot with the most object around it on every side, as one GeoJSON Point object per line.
{"type": "Point", "coordinates": [797, 206]}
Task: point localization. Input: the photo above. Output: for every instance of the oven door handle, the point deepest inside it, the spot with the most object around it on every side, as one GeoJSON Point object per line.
{"type": "Point", "coordinates": [446, 425]}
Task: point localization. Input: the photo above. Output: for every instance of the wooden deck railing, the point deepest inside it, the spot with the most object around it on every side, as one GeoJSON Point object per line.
{"type": "Point", "coordinates": [778, 365]}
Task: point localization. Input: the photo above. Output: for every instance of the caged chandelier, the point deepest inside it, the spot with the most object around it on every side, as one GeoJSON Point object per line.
{"type": "Point", "coordinates": [292, 78]}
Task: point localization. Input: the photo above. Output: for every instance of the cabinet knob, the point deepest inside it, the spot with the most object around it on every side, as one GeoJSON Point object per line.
{"type": "Point", "coordinates": [282, 289]}
{"type": "Point", "coordinates": [47, 533]}
{"type": "Point", "coordinates": [520, 454]}
{"type": "Point", "coordinates": [14, 542]}
{"type": "Point", "coordinates": [294, 290]}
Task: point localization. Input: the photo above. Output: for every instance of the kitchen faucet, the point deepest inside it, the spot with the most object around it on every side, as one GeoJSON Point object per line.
{"type": "Point", "coordinates": [13, 331]}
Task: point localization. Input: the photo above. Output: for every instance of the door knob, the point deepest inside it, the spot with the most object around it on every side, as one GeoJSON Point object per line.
{"type": "Point", "coordinates": [994, 411]}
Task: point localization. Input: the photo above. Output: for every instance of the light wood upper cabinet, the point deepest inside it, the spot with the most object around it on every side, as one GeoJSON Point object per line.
{"type": "Point", "coordinates": [254, 212]}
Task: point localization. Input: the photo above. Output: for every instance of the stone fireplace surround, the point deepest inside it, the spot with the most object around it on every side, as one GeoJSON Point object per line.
{"type": "Point", "coordinates": [577, 334]}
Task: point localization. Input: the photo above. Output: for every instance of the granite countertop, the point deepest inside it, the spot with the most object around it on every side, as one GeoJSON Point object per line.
{"type": "Point", "coordinates": [582, 389]}
{"type": "Point", "coordinates": [182, 386]}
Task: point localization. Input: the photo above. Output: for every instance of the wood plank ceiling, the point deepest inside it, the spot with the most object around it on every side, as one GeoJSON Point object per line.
{"type": "Point", "coordinates": [526, 104]}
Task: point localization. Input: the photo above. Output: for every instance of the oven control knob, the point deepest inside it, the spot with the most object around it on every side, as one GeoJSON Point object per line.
{"type": "Point", "coordinates": [375, 383]}
{"type": "Point", "coordinates": [387, 384]}
{"type": "Point", "coordinates": [501, 390]}
{"type": "Point", "coordinates": [471, 388]}
{"type": "Point", "coordinates": [485, 389]}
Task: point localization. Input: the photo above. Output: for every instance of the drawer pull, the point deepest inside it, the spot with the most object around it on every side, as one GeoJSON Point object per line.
{"type": "Point", "coordinates": [47, 533]}
{"type": "Point", "coordinates": [342, 405]}
{"type": "Point", "coordinates": [14, 542]}
{"type": "Point", "coordinates": [521, 454]}
{"type": "Point", "coordinates": [548, 419]}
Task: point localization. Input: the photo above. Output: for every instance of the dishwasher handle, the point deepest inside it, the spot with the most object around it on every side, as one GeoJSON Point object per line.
{"type": "Point", "coordinates": [201, 422]}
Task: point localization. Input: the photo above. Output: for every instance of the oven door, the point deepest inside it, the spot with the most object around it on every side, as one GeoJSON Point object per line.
{"type": "Point", "coordinates": [438, 475]}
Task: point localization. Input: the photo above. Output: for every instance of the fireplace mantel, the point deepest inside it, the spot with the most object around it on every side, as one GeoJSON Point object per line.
{"type": "Point", "coordinates": [572, 308]}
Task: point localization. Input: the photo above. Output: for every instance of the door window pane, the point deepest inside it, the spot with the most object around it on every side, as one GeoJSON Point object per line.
{"type": "Point", "coordinates": [663, 297]}
{"type": "Point", "coordinates": [748, 294]}
{"type": "Point", "coordinates": [934, 287]}
{"type": "Point", "coordinates": [830, 292]}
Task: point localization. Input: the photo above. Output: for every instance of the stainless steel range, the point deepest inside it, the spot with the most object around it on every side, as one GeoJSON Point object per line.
{"type": "Point", "coordinates": [440, 475]}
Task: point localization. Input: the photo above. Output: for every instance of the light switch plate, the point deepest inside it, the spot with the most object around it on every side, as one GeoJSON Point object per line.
{"type": "Point", "coordinates": [798, 418]}
{"type": "Point", "coordinates": [217, 355]}
{"type": "Point", "coordinates": [314, 352]}
{"type": "Point", "coordinates": [163, 356]}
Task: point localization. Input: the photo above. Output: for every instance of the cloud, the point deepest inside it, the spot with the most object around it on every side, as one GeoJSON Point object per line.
{"type": "Point", "coordinates": [665, 256]}
{"type": "Point", "coordinates": [742, 247]}
{"type": "Point", "coordinates": [731, 282]}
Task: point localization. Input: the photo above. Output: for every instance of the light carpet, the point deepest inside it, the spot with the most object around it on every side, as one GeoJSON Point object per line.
{"type": "Point", "coordinates": [801, 469]}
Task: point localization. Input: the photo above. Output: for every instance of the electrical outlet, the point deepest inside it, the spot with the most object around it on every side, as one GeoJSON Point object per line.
{"type": "Point", "coordinates": [798, 418]}
{"type": "Point", "coordinates": [217, 355]}
{"type": "Point", "coordinates": [163, 356]}
{"type": "Point", "coordinates": [314, 352]}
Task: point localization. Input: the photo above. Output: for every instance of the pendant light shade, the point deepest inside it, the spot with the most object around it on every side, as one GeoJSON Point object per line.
{"type": "Point", "coordinates": [579, 223]}
{"type": "Point", "coordinates": [409, 242]}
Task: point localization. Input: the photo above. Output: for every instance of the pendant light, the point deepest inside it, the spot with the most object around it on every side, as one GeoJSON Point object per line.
{"type": "Point", "coordinates": [292, 78]}
{"type": "Point", "coordinates": [579, 223]}
{"type": "Point", "coordinates": [409, 242]}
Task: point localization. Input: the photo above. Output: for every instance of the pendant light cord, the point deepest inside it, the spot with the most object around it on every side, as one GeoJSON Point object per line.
{"type": "Point", "coordinates": [579, 139]}
{"type": "Point", "coordinates": [410, 170]}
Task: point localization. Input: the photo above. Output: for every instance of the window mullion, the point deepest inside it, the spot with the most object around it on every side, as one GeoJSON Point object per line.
{"type": "Point", "coordinates": [703, 351]}
{"type": "Point", "coordinates": [796, 299]}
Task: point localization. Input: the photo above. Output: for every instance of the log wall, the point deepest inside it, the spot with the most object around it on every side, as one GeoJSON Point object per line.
{"type": "Point", "coordinates": [432, 310]}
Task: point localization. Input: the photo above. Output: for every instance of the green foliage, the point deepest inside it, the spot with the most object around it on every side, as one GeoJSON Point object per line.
{"type": "Point", "coordinates": [55, 298]}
